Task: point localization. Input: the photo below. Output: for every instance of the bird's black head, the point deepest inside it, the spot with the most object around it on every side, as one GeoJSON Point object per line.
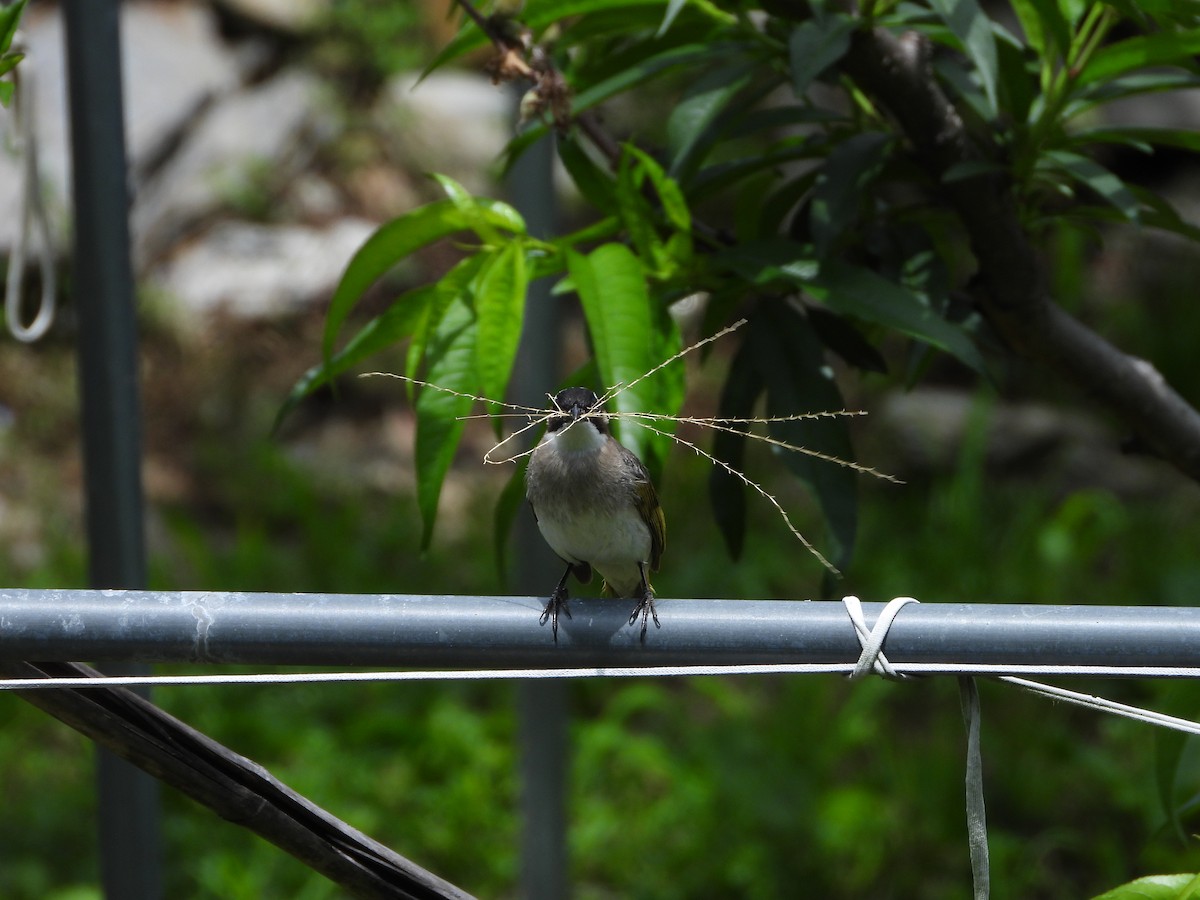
{"type": "Point", "coordinates": [576, 403]}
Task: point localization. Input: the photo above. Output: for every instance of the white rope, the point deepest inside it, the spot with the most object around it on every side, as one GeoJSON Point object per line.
{"type": "Point", "coordinates": [977, 836]}
{"type": "Point", "coordinates": [31, 215]}
{"type": "Point", "coordinates": [872, 659]}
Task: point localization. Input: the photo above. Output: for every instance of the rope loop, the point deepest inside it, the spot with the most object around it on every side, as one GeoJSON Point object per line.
{"type": "Point", "coordinates": [31, 217]}
{"type": "Point", "coordinates": [871, 640]}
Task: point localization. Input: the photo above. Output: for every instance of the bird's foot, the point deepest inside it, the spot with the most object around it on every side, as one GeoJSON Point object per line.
{"type": "Point", "coordinates": [645, 611]}
{"type": "Point", "coordinates": [556, 604]}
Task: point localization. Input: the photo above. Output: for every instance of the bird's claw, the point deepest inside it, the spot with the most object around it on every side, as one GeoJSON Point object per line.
{"type": "Point", "coordinates": [646, 611]}
{"type": "Point", "coordinates": [556, 604]}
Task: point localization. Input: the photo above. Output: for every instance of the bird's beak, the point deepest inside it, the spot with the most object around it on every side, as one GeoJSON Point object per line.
{"type": "Point", "coordinates": [577, 410]}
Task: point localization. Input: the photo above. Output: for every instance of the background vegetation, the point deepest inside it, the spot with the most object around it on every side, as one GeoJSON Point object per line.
{"type": "Point", "coordinates": [698, 788]}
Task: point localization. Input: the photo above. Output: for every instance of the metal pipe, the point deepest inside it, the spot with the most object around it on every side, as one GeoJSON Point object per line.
{"type": "Point", "coordinates": [485, 632]}
{"type": "Point", "coordinates": [129, 819]}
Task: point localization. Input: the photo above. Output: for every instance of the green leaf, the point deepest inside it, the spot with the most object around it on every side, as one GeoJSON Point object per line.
{"type": "Point", "coordinates": [382, 250]}
{"type": "Point", "coordinates": [1155, 887]}
{"type": "Point", "coordinates": [673, 9]}
{"type": "Point", "coordinates": [769, 260]}
{"type": "Point", "coordinates": [630, 335]}
{"type": "Point", "coordinates": [456, 284]}
{"type": "Point", "coordinates": [727, 492]}
{"type": "Point", "coordinates": [842, 185]}
{"type": "Point", "coordinates": [451, 358]}
{"type": "Point", "coordinates": [792, 364]}
{"type": "Point", "coordinates": [6, 92]}
{"type": "Point", "coordinates": [869, 296]}
{"type": "Point", "coordinates": [845, 340]}
{"type": "Point", "coordinates": [1044, 27]}
{"type": "Point", "coordinates": [693, 116]}
{"type": "Point", "coordinates": [814, 46]}
{"type": "Point", "coordinates": [594, 183]}
{"type": "Point", "coordinates": [500, 309]}
{"type": "Point", "coordinates": [10, 18]}
{"type": "Point", "coordinates": [1090, 173]}
{"type": "Point", "coordinates": [670, 195]}
{"type": "Point", "coordinates": [1165, 48]}
{"type": "Point", "coordinates": [396, 323]}
{"type": "Point", "coordinates": [973, 29]}
{"type": "Point", "coordinates": [1143, 138]}
{"type": "Point", "coordinates": [644, 70]}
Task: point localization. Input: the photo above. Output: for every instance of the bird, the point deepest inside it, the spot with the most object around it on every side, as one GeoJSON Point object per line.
{"type": "Point", "coordinates": [596, 507]}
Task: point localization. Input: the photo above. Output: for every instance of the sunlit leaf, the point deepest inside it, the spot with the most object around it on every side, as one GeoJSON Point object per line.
{"type": "Point", "coordinates": [451, 364]}
{"type": "Point", "coordinates": [500, 309]}
{"type": "Point", "coordinates": [630, 335]}
{"type": "Point", "coordinates": [1155, 887]}
{"type": "Point", "coordinates": [391, 243]}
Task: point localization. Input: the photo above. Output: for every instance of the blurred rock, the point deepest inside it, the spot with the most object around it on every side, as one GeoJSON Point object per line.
{"type": "Point", "coordinates": [291, 16]}
{"type": "Point", "coordinates": [453, 123]}
{"type": "Point", "coordinates": [173, 64]}
{"type": "Point", "coordinates": [265, 133]}
{"type": "Point", "coordinates": [254, 270]}
{"type": "Point", "coordinates": [926, 430]}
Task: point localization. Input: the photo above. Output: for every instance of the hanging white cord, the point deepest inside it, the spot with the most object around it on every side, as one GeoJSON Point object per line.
{"type": "Point", "coordinates": [31, 214]}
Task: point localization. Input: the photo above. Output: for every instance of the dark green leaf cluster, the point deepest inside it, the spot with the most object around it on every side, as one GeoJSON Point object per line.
{"type": "Point", "coordinates": [778, 187]}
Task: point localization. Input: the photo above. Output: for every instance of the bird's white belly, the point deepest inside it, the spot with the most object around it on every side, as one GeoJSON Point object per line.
{"type": "Point", "coordinates": [614, 543]}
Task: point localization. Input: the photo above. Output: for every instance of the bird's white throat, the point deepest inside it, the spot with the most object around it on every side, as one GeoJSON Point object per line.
{"type": "Point", "coordinates": [579, 437]}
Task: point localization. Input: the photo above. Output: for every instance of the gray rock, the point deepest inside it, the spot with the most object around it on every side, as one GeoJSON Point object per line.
{"type": "Point", "coordinates": [453, 123]}
{"type": "Point", "coordinates": [267, 133]}
{"type": "Point", "coordinates": [261, 271]}
{"type": "Point", "coordinates": [173, 64]}
{"type": "Point", "coordinates": [291, 16]}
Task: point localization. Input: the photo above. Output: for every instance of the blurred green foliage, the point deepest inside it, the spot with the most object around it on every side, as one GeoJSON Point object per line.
{"type": "Point", "coordinates": [691, 788]}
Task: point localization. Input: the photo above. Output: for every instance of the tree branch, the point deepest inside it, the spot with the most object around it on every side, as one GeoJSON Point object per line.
{"type": "Point", "coordinates": [231, 785]}
{"type": "Point", "coordinates": [895, 70]}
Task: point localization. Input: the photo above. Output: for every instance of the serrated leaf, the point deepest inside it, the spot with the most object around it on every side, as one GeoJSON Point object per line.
{"type": "Point", "coordinates": [388, 245]}
{"type": "Point", "coordinates": [869, 296]}
{"type": "Point", "coordinates": [814, 46]}
{"type": "Point", "coordinates": [451, 364]}
{"type": "Point", "coordinates": [842, 185]}
{"type": "Point", "coordinates": [967, 21]}
{"type": "Point", "coordinates": [500, 310]}
{"type": "Point", "coordinates": [727, 493]}
{"type": "Point", "coordinates": [394, 325]}
{"type": "Point", "coordinates": [630, 335]}
{"type": "Point", "coordinates": [792, 365]}
{"type": "Point", "coordinates": [1165, 48]}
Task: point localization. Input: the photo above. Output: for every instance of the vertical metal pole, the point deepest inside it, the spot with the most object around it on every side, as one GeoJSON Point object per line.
{"type": "Point", "coordinates": [130, 836]}
{"type": "Point", "coordinates": [542, 706]}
